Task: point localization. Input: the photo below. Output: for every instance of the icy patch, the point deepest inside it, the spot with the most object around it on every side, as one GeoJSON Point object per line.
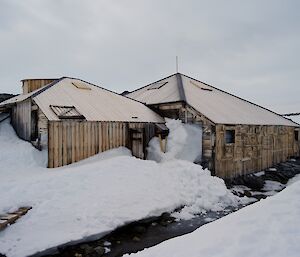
{"type": "Point", "coordinates": [184, 142]}
{"type": "Point", "coordinates": [272, 186]}
{"type": "Point", "coordinates": [259, 174]}
{"type": "Point", "coordinates": [272, 169]}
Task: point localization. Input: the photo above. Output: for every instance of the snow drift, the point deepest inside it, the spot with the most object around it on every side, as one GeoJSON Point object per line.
{"type": "Point", "coordinates": [93, 196]}
{"type": "Point", "coordinates": [184, 142]}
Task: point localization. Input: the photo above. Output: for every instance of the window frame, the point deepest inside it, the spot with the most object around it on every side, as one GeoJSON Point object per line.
{"type": "Point", "coordinates": [232, 136]}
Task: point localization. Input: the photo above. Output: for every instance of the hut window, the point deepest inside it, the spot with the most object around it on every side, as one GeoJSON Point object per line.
{"type": "Point", "coordinates": [157, 85]}
{"type": "Point", "coordinates": [201, 87]}
{"type": "Point", "coordinates": [229, 136]}
{"type": "Point", "coordinates": [296, 133]}
{"type": "Point", "coordinates": [66, 112]}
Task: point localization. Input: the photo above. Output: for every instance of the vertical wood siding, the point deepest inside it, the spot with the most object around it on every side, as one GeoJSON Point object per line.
{"type": "Point", "coordinates": [30, 85]}
{"type": "Point", "coordinates": [72, 141]}
{"type": "Point", "coordinates": [21, 119]}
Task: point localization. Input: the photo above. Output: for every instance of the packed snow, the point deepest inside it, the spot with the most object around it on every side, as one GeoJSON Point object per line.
{"type": "Point", "coordinates": [269, 227]}
{"type": "Point", "coordinates": [184, 142]}
{"type": "Point", "coordinates": [94, 196]}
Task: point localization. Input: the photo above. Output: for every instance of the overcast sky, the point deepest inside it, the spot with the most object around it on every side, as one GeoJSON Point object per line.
{"type": "Point", "coordinates": [249, 48]}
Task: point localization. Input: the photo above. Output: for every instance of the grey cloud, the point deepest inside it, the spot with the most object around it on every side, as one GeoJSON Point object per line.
{"type": "Point", "coordinates": [249, 48]}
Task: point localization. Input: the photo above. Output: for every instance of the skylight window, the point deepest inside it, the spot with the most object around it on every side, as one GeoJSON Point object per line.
{"type": "Point", "coordinates": [81, 85]}
{"type": "Point", "coordinates": [66, 112]}
{"type": "Point", "coordinates": [157, 85]}
{"type": "Point", "coordinates": [201, 87]}
{"type": "Point", "coordinates": [206, 89]}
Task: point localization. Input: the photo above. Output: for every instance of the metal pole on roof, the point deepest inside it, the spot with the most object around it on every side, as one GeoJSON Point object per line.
{"type": "Point", "coordinates": [176, 64]}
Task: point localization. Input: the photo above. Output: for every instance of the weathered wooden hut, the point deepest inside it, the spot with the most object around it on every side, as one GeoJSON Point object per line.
{"type": "Point", "coordinates": [75, 119]}
{"type": "Point", "coordinates": [239, 137]}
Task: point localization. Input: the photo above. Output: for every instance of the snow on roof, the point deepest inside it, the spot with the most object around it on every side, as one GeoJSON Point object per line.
{"type": "Point", "coordinates": [217, 105]}
{"type": "Point", "coordinates": [95, 104]}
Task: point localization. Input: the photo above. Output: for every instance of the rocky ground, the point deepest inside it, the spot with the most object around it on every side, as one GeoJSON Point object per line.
{"type": "Point", "coordinates": [149, 232]}
{"type": "Point", "coordinates": [4, 96]}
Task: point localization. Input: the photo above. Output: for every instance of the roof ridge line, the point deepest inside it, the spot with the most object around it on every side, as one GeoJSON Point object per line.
{"type": "Point", "coordinates": [103, 88]}
{"type": "Point", "coordinates": [154, 82]}
{"type": "Point", "coordinates": [181, 91]}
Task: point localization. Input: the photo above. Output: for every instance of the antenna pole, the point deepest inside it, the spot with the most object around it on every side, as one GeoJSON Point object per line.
{"type": "Point", "coordinates": [176, 64]}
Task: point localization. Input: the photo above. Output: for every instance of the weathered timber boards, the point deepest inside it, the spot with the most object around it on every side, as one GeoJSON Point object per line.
{"type": "Point", "coordinates": [10, 218]}
{"type": "Point", "coordinates": [255, 148]}
{"type": "Point", "coordinates": [72, 141]}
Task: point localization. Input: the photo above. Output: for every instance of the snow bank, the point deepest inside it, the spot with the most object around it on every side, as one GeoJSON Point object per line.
{"type": "Point", "coordinates": [93, 196]}
{"type": "Point", "coordinates": [184, 142]}
{"type": "Point", "coordinates": [270, 227]}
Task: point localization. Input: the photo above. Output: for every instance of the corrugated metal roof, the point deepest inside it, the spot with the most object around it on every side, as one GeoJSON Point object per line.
{"type": "Point", "coordinates": [217, 105]}
{"type": "Point", "coordinates": [152, 94]}
{"type": "Point", "coordinates": [95, 104]}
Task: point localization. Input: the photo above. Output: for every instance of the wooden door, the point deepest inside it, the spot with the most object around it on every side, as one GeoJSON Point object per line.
{"type": "Point", "coordinates": [137, 142]}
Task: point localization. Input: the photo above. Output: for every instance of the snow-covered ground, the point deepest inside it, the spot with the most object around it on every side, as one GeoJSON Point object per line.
{"type": "Point", "coordinates": [95, 195]}
{"type": "Point", "coordinates": [270, 227]}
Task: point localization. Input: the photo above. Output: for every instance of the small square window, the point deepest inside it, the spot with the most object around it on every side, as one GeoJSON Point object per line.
{"type": "Point", "coordinates": [230, 136]}
{"type": "Point", "coordinates": [296, 133]}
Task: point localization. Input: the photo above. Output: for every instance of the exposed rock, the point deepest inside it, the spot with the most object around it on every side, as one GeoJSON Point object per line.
{"type": "Point", "coordinates": [87, 249]}
{"type": "Point", "coordinates": [165, 216]}
{"type": "Point", "coordinates": [247, 193]}
{"type": "Point", "coordinates": [139, 229]}
{"type": "Point", "coordinates": [259, 196]}
{"type": "Point", "coordinates": [276, 176]}
{"type": "Point", "coordinates": [136, 239]}
{"type": "Point", "coordinates": [4, 97]}
{"type": "Point", "coordinates": [99, 250]}
{"type": "Point", "coordinates": [253, 182]}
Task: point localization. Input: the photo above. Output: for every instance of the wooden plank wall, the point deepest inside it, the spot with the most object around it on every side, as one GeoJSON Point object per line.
{"type": "Point", "coordinates": [72, 141]}
{"type": "Point", "coordinates": [30, 85]}
{"type": "Point", "coordinates": [21, 119]}
{"type": "Point", "coordinates": [255, 148]}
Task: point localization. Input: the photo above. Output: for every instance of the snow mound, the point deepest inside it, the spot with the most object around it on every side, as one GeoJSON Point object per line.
{"type": "Point", "coordinates": [94, 196]}
{"type": "Point", "coordinates": [184, 142]}
{"type": "Point", "coordinates": [269, 227]}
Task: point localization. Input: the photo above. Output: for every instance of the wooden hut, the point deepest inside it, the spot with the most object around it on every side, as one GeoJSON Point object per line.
{"type": "Point", "coordinates": [239, 137]}
{"type": "Point", "coordinates": [75, 119]}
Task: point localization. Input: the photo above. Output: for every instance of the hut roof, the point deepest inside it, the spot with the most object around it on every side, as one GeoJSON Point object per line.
{"type": "Point", "coordinates": [92, 102]}
{"type": "Point", "coordinates": [217, 105]}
